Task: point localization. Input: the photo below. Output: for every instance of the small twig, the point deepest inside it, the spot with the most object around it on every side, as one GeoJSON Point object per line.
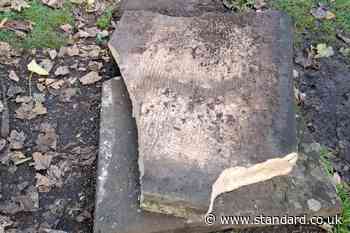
{"type": "Point", "coordinates": [19, 162]}
{"type": "Point", "coordinates": [30, 84]}
{"type": "Point", "coordinates": [5, 117]}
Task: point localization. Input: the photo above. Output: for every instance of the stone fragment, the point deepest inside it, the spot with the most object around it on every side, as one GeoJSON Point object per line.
{"type": "Point", "coordinates": [174, 7]}
{"type": "Point", "coordinates": [118, 181]}
{"type": "Point", "coordinates": [209, 93]}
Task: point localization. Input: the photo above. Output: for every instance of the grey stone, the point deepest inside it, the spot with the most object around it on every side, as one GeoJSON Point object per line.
{"type": "Point", "coordinates": [117, 203]}
{"type": "Point", "coordinates": [174, 7]}
{"type": "Point", "coordinates": [209, 92]}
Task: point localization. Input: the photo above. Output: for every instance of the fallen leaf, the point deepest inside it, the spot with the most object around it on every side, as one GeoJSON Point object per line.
{"type": "Point", "coordinates": [16, 156]}
{"type": "Point", "coordinates": [14, 90]}
{"type": "Point", "coordinates": [53, 54]}
{"type": "Point", "coordinates": [40, 86]}
{"type": "Point", "coordinates": [53, 3]}
{"type": "Point", "coordinates": [16, 139]}
{"type": "Point", "coordinates": [5, 52]}
{"type": "Point", "coordinates": [35, 68]}
{"type": "Point", "coordinates": [5, 221]}
{"type": "Point", "coordinates": [13, 76]}
{"type": "Point", "coordinates": [47, 138]}
{"type": "Point", "coordinates": [322, 13]}
{"type": "Point", "coordinates": [330, 15]}
{"type": "Point", "coordinates": [84, 155]}
{"type": "Point", "coordinates": [30, 110]}
{"type": "Point", "coordinates": [95, 66]}
{"type": "Point", "coordinates": [233, 178]}
{"type": "Point", "coordinates": [324, 51]}
{"type": "Point", "coordinates": [258, 4]}
{"type": "Point", "coordinates": [62, 70]}
{"type": "Point", "coordinates": [90, 78]}
{"type": "Point", "coordinates": [92, 51]}
{"type": "Point", "coordinates": [18, 5]}
{"type": "Point", "coordinates": [23, 99]}
{"type": "Point", "coordinates": [42, 161]}
{"type": "Point", "coordinates": [25, 26]}
{"type": "Point", "coordinates": [42, 182]}
{"type": "Point", "coordinates": [66, 28]}
{"type": "Point", "coordinates": [58, 84]}
{"type": "Point", "coordinates": [39, 108]}
{"type": "Point", "coordinates": [46, 64]}
{"type": "Point", "coordinates": [70, 51]}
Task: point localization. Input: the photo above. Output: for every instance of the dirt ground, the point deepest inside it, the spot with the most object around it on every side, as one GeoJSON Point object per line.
{"type": "Point", "coordinates": [59, 127]}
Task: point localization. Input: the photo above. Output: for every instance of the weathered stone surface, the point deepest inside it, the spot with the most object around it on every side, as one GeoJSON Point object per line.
{"type": "Point", "coordinates": [117, 204]}
{"type": "Point", "coordinates": [209, 93]}
{"type": "Point", "coordinates": [174, 7]}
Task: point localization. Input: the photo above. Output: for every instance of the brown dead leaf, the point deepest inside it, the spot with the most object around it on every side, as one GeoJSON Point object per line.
{"type": "Point", "coordinates": [58, 84]}
{"type": "Point", "coordinates": [30, 110]}
{"type": "Point", "coordinates": [322, 12]}
{"type": "Point", "coordinates": [14, 90]}
{"type": "Point", "coordinates": [13, 76]}
{"type": "Point", "coordinates": [67, 28]}
{"type": "Point", "coordinates": [23, 99]}
{"type": "Point", "coordinates": [62, 70]}
{"type": "Point", "coordinates": [16, 156]}
{"type": "Point", "coordinates": [43, 183]}
{"type": "Point", "coordinates": [95, 66]}
{"type": "Point", "coordinates": [84, 155]}
{"type": "Point", "coordinates": [17, 5]}
{"type": "Point", "coordinates": [91, 51]}
{"type": "Point", "coordinates": [16, 139]}
{"type": "Point", "coordinates": [47, 138]}
{"type": "Point", "coordinates": [259, 4]}
{"type": "Point", "coordinates": [18, 25]}
{"type": "Point", "coordinates": [42, 161]}
{"type": "Point", "coordinates": [5, 221]}
{"type": "Point", "coordinates": [53, 54]}
{"type": "Point", "coordinates": [90, 78]}
{"type": "Point", "coordinates": [53, 3]}
{"type": "Point", "coordinates": [70, 51]}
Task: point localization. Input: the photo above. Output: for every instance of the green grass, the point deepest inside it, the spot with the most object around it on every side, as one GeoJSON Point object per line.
{"type": "Point", "coordinates": [325, 160]}
{"type": "Point", "coordinates": [325, 30]}
{"type": "Point", "coordinates": [45, 24]}
{"type": "Point", "coordinates": [104, 21]}
{"type": "Point", "coordinates": [343, 192]}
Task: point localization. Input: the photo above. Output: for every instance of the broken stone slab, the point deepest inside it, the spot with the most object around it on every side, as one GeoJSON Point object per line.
{"type": "Point", "coordinates": [209, 93]}
{"type": "Point", "coordinates": [174, 7]}
{"type": "Point", "coordinates": [118, 190]}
